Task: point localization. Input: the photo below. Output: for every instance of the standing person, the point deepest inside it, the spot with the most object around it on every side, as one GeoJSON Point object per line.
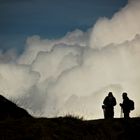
{"type": "Point", "coordinates": [127, 105]}
{"type": "Point", "coordinates": [108, 107]}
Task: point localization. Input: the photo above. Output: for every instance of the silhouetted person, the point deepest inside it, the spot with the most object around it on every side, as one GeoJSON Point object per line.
{"type": "Point", "coordinates": [108, 107]}
{"type": "Point", "coordinates": [127, 105]}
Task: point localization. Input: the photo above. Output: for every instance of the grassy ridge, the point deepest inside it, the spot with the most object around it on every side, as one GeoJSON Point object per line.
{"type": "Point", "coordinates": [17, 124]}
{"type": "Point", "coordinates": [68, 128]}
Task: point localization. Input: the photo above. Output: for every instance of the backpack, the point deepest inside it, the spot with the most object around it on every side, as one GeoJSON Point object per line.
{"type": "Point", "coordinates": [131, 104]}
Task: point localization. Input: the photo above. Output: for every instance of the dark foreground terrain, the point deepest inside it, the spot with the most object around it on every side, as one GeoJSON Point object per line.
{"type": "Point", "coordinates": [68, 128]}
{"type": "Point", "coordinates": [17, 124]}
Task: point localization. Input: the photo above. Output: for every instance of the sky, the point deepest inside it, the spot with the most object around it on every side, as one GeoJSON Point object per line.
{"type": "Point", "coordinates": [63, 57]}
{"type": "Point", "coordinates": [50, 19]}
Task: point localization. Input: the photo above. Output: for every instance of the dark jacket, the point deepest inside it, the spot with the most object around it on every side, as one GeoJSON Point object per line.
{"type": "Point", "coordinates": [109, 102]}
{"type": "Point", "coordinates": [126, 105]}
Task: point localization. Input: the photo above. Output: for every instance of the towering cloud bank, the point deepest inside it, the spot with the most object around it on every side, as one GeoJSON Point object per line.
{"type": "Point", "coordinates": [123, 26]}
{"type": "Point", "coordinates": [73, 74]}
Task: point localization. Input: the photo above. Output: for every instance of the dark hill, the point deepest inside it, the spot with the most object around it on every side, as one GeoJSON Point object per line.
{"type": "Point", "coordinates": [65, 128]}
{"type": "Point", "coordinates": [10, 110]}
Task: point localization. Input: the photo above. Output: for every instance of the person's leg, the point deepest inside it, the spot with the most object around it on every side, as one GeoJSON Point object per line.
{"type": "Point", "coordinates": [104, 111]}
{"type": "Point", "coordinates": [107, 115]}
{"type": "Point", "coordinates": [110, 113]}
{"type": "Point", "coordinates": [126, 114]}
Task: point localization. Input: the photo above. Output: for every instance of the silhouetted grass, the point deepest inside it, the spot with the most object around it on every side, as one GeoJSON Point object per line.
{"type": "Point", "coordinates": [73, 117]}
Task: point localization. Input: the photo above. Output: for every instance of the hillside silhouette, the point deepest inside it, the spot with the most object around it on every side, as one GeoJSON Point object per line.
{"type": "Point", "coordinates": [25, 127]}
{"type": "Point", "coordinates": [10, 110]}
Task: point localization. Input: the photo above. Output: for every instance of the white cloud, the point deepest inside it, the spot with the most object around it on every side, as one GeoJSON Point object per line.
{"type": "Point", "coordinates": [16, 80]}
{"type": "Point", "coordinates": [73, 74]}
{"type": "Point", "coordinates": [124, 25]}
{"type": "Point", "coordinates": [112, 65]}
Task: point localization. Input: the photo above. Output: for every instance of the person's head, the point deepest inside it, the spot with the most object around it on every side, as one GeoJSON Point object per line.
{"type": "Point", "coordinates": [110, 94]}
{"type": "Point", "coordinates": [124, 95]}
